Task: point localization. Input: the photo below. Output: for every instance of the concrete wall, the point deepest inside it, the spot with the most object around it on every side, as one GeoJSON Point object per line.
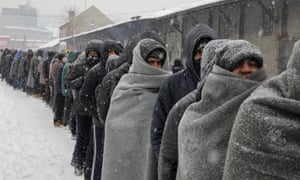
{"type": "Point", "coordinates": [272, 25]}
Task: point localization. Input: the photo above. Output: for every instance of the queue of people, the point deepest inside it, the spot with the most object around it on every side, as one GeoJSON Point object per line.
{"type": "Point", "coordinates": [215, 117]}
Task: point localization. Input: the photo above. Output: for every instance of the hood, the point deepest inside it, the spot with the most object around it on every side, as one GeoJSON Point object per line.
{"type": "Point", "coordinates": [94, 45]}
{"type": "Point", "coordinates": [110, 45]}
{"type": "Point", "coordinates": [50, 55]}
{"type": "Point", "coordinates": [233, 51]}
{"type": "Point", "coordinates": [18, 55]}
{"type": "Point", "coordinates": [72, 56]}
{"type": "Point", "coordinates": [293, 73]}
{"type": "Point", "coordinates": [197, 33]}
{"type": "Point", "coordinates": [127, 54]}
{"type": "Point", "coordinates": [39, 53]}
{"type": "Point", "coordinates": [209, 56]}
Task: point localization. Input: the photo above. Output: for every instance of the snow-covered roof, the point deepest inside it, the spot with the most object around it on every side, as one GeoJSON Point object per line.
{"type": "Point", "coordinates": [50, 43]}
{"type": "Point", "coordinates": [156, 14]}
{"type": "Point", "coordinates": [26, 28]}
{"type": "Point", "coordinates": [29, 40]}
{"type": "Point", "coordinates": [166, 12]}
{"type": "Point", "coordinates": [97, 29]}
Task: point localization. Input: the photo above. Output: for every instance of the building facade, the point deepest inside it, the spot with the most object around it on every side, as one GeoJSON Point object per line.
{"type": "Point", "coordinates": [21, 26]}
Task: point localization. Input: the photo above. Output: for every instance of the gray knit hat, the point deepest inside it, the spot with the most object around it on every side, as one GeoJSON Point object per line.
{"type": "Point", "coordinates": [152, 48]}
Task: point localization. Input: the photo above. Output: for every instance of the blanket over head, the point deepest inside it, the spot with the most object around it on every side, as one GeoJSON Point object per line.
{"type": "Point", "coordinates": [127, 149]}
{"type": "Point", "coordinates": [205, 127]}
{"type": "Point", "coordinates": [265, 139]}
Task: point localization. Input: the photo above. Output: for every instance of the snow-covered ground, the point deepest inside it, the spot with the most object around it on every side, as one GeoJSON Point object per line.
{"type": "Point", "coordinates": [30, 147]}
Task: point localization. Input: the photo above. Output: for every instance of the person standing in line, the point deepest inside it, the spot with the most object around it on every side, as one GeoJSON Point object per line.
{"type": "Point", "coordinates": [69, 117]}
{"type": "Point", "coordinates": [180, 84]}
{"type": "Point", "coordinates": [87, 98]}
{"type": "Point", "coordinates": [168, 155]}
{"type": "Point", "coordinates": [205, 127]}
{"type": "Point", "coordinates": [264, 141]}
{"type": "Point", "coordinates": [127, 150]}
{"type": "Point", "coordinates": [59, 98]}
{"type": "Point", "coordinates": [77, 77]}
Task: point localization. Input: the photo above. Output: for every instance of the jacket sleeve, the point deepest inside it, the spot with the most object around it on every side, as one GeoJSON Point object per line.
{"type": "Point", "coordinates": [75, 77]}
{"type": "Point", "coordinates": [58, 76]}
{"type": "Point", "coordinates": [45, 70]}
{"type": "Point", "coordinates": [63, 80]}
{"type": "Point", "coordinates": [87, 95]}
{"type": "Point", "coordinates": [103, 98]}
{"type": "Point", "coordinates": [159, 116]}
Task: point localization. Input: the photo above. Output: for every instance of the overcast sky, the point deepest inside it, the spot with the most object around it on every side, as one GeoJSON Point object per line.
{"type": "Point", "coordinates": [108, 7]}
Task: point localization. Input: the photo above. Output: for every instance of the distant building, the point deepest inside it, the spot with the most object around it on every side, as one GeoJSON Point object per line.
{"type": "Point", "coordinates": [89, 19]}
{"type": "Point", "coordinates": [24, 16]}
{"type": "Point", "coordinates": [21, 26]}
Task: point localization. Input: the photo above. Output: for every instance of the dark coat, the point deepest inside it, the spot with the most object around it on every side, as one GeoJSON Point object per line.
{"type": "Point", "coordinates": [94, 78]}
{"type": "Point", "coordinates": [87, 95]}
{"type": "Point", "coordinates": [168, 155]}
{"type": "Point", "coordinates": [79, 72]}
{"type": "Point", "coordinates": [58, 77]}
{"type": "Point", "coordinates": [46, 65]}
{"type": "Point", "coordinates": [177, 85]}
{"type": "Point", "coordinates": [105, 90]}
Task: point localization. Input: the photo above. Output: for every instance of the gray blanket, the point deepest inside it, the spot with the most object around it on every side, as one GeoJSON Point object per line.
{"type": "Point", "coordinates": [127, 150]}
{"type": "Point", "coordinates": [265, 140]}
{"type": "Point", "coordinates": [205, 127]}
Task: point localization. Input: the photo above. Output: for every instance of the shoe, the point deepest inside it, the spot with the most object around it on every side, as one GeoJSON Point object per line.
{"type": "Point", "coordinates": [78, 171]}
{"type": "Point", "coordinates": [57, 123]}
{"type": "Point", "coordinates": [37, 95]}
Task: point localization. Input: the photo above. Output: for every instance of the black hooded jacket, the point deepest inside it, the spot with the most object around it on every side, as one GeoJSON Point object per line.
{"type": "Point", "coordinates": [94, 78]}
{"type": "Point", "coordinates": [78, 74]}
{"type": "Point", "coordinates": [179, 84]}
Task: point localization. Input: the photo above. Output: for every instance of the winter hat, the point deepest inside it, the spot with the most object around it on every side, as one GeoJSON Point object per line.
{"type": "Point", "coordinates": [235, 51]}
{"type": "Point", "coordinates": [60, 56]}
{"type": "Point", "coordinates": [158, 53]}
{"type": "Point", "coordinates": [94, 45]}
{"type": "Point", "coordinates": [152, 48]}
{"type": "Point", "coordinates": [111, 45]}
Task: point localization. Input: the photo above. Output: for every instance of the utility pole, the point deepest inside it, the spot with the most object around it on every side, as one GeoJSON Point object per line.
{"type": "Point", "coordinates": [84, 4]}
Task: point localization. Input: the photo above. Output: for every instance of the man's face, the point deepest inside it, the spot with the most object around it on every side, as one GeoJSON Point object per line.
{"type": "Point", "coordinates": [245, 68]}
{"type": "Point", "coordinates": [93, 54]}
{"type": "Point", "coordinates": [198, 54]}
{"type": "Point", "coordinates": [155, 62]}
{"type": "Point", "coordinates": [112, 52]}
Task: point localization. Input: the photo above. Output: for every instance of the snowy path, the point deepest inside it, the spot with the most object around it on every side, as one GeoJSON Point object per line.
{"type": "Point", "coordinates": [30, 147]}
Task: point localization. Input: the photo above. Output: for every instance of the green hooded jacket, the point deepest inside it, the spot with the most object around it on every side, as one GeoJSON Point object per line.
{"type": "Point", "coordinates": [72, 56]}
